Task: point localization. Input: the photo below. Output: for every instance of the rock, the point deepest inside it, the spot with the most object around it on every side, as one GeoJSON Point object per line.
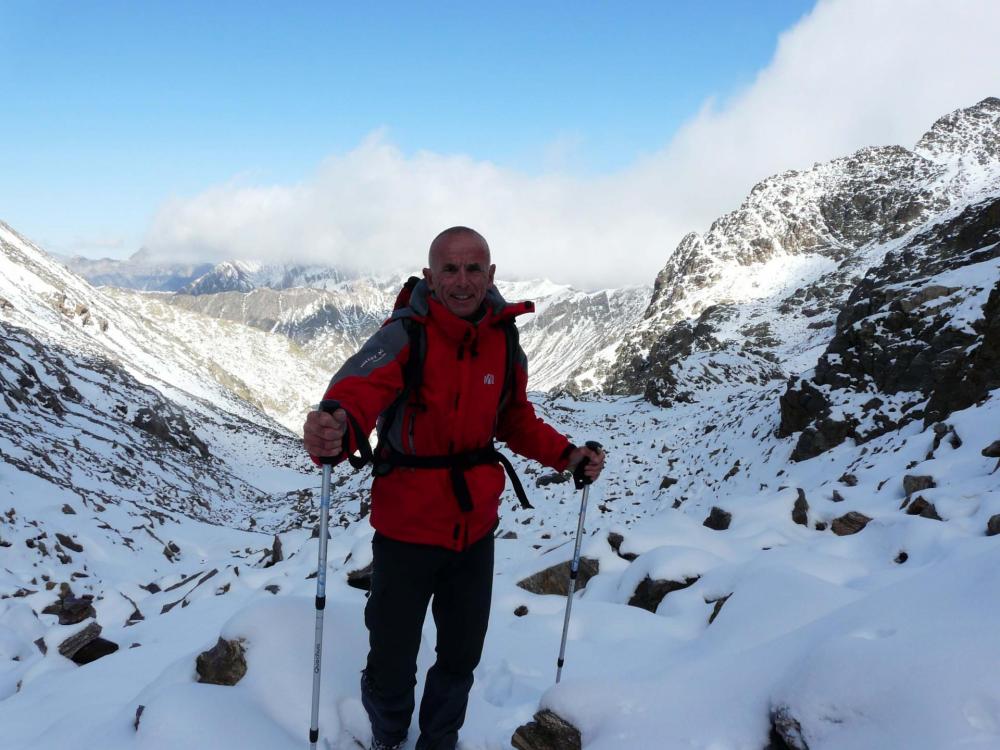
{"type": "Point", "coordinates": [509, 535]}
{"type": "Point", "coordinates": [555, 579]}
{"type": "Point", "coordinates": [272, 588]}
{"type": "Point", "coordinates": [71, 609]}
{"type": "Point", "coordinates": [837, 497]}
{"type": "Point", "coordinates": [171, 427]}
{"type": "Point", "coordinates": [40, 642]}
{"type": "Point", "coordinates": [912, 484]}
{"type": "Point", "coordinates": [94, 650]}
{"type": "Point", "coordinates": [138, 715]}
{"type": "Point", "coordinates": [68, 510]}
{"type": "Point", "coordinates": [521, 611]}
{"type": "Point", "coordinates": [276, 553]}
{"type": "Point", "coordinates": [848, 479]}
{"type": "Point", "coordinates": [800, 511]}
{"type": "Point", "coordinates": [223, 664]}
{"type": "Point", "coordinates": [616, 540]}
{"type": "Point", "coordinates": [68, 542]}
{"type": "Point", "coordinates": [554, 478]}
{"type": "Point", "coordinates": [79, 639]}
{"type": "Point", "coordinates": [547, 732]}
{"type": "Point", "coordinates": [786, 731]}
{"type": "Point", "coordinates": [717, 608]}
{"type": "Point", "coordinates": [993, 525]}
{"type": "Point", "coordinates": [901, 558]}
{"type": "Point", "coordinates": [171, 551]}
{"type": "Point", "coordinates": [923, 508]}
{"type": "Point", "coordinates": [361, 579]}
{"type": "Point", "coordinates": [649, 593]}
{"type": "Point", "coordinates": [992, 450]}
{"type": "Point", "coordinates": [667, 483]}
{"type": "Point", "coordinates": [850, 523]}
{"type": "Point", "coordinates": [718, 519]}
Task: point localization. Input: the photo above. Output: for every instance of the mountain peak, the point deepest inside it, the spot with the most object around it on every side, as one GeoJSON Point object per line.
{"type": "Point", "coordinates": [971, 133]}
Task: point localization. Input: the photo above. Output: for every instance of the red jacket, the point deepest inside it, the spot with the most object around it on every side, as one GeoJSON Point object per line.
{"type": "Point", "coordinates": [462, 382]}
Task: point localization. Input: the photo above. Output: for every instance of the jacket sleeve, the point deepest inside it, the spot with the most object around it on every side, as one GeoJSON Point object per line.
{"type": "Point", "coordinates": [524, 431]}
{"type": "Point", "coordinates": [369, 381]}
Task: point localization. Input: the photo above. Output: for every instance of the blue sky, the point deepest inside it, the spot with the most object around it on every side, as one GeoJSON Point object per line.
{"type": "Point", "coordinates": [112, 107]}
{"type": "Point", "coordinates": [585, 138]}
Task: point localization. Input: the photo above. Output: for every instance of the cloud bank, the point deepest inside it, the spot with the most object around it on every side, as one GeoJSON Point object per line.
{"type": "Point", "coordinates": [852, 73]}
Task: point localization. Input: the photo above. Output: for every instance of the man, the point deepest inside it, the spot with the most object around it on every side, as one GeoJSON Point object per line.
{"type": "Point", "coordinates": [434, 524]}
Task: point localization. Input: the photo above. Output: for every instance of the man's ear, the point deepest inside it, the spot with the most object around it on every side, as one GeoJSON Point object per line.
{"type": "Point", "coordinates": [428, 278]}
{"type": "Point", "coordinates": [493, 270]}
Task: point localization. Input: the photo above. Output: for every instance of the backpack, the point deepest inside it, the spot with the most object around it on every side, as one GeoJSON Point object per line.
{"type": "Point", "coordinates": [385, 458]}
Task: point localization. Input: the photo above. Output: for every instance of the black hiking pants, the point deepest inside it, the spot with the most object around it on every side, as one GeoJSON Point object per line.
{"type": "Point", "coordinates": [405, 578]}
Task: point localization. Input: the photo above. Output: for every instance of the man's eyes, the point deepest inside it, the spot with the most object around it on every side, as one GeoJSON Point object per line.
{"type": "Point", "coordinates": [474, 268]}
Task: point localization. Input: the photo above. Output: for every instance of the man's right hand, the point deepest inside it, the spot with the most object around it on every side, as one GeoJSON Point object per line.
{"type": "Point", "coordinates": [323, 433]}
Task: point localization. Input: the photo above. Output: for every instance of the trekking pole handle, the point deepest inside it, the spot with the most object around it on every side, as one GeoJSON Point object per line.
{"type": "Point", "coordinates": [328, 405]}
{"type": "Point", "coordinates": [579, 478]}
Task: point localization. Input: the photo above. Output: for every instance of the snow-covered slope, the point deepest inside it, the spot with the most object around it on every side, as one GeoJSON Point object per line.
{"type": "Point", "coordinates": [740, 600]}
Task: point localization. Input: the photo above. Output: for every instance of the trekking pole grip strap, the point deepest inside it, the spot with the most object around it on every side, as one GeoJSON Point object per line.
{"type": "Point", "coordinates": [360, 439]}
{"type": "Point", "coordinates": [579, 478]}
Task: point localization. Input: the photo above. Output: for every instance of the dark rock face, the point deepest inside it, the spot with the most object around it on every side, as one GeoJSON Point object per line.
{"type": "Point", "coordinates": [649, 593]}
{"type": "Point", "coordinates": [850, 523]}
{"type": "Point", "coordinates": [223, 664]}
{"type": "Point", "coordinates": [555, 579]}
{"type": "Point", "coordinates": [895, 331]}
{"type": "Point", "coordinates": [548, 731]}
{"type": "Point", "coordinates": [718, 519]}
{"type": "Point", "coordinates": [170, 426]}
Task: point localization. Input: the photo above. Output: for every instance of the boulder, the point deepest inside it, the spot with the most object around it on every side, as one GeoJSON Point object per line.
{"type": "Point", "coordinates": [548, 731]}
{"type": "Point", "coordinates": [68, 542]}
{"type": "Point", "coordinates": [94, 650]}
{"type": "Point", "coordinates": [912, 484]}
{"type": "Point", "coordinates": [72, 609]}
{"type": "Point", "coordinates": [718, 519]}
{"type": "Point", "coordinates": [223, 664]}
{"type": "Point", "coordinates": [849, 523]}
{"type": "Point", "coordinates": [667, 483]}
{"type": "Point", "coordinates": [993, 525]}
{"type": "Point", "coordinates": [786, 731]}
{"type": "Point", "coordinates": [848, 479]}
{"type": "Point", "coordinates": [555, 579]}
{"type": "Point", "coordinates": [276, 552]}
{"type": "Point", "coordinates": [992, 450]}
{"type": "Point", "coordinates": [923, 508]}
{"type": "Point", "coordinates": [800, 511]}
{"type": "Point", "coordinates": [79, 639]}
{"type": "Point", "coordinates": [361, 579]}
{"type": "Point", "coordinates": [649, 593]}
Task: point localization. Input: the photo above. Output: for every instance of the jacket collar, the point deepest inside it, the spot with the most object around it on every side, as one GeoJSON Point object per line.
{"type": "Point", "coordinates": [424, 304]}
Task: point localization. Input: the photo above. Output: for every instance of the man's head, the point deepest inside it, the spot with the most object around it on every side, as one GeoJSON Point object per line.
{"type": "Point", "coordinates": [460, 272]}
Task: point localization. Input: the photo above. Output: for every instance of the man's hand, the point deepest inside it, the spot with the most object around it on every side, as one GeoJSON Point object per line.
{"type": "Point", "coordinates": [323, 433]}
{"type": "Point", "coordinates": [594, 467]}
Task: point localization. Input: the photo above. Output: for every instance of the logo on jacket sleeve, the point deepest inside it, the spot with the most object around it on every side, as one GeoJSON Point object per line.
{"type": "Point", "coordinates": [489, 379]}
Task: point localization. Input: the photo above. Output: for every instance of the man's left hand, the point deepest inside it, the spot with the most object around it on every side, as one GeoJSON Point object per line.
{"type": "Point", "coordinates": [594, 466]}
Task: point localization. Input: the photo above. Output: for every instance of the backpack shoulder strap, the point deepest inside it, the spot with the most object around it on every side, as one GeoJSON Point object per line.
{"type": "Point", "coordinates": [513, 340]}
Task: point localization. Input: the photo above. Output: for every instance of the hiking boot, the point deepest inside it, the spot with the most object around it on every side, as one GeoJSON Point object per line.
{"type": "Point", "coordinates": [376, 745]}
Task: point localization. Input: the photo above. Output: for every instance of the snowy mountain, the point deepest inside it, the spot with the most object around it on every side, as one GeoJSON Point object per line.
{"type": "Point", "coordinates": [793, 546]}
{"type": "Point", "coordinates": [140, 271]}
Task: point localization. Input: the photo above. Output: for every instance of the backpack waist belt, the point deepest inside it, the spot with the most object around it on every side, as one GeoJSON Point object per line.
{"type": "Point", "coordinates": [457, 464]}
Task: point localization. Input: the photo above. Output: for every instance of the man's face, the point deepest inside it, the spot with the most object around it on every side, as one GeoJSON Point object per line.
{"type": "Point", "coordinates": [460, 273]}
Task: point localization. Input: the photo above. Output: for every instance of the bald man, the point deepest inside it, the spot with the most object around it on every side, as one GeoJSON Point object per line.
{"type": "Point", "coordinates": [437, 486]}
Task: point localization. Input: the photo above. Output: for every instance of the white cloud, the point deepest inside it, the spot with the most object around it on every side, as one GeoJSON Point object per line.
{"type": "Point", "coordinates": [850, 74]}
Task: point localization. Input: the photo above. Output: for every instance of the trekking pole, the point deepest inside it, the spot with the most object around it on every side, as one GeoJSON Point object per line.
{"type": "Point", "coordinates": [582, 481]}
{"type": "Point", "coordinates": [324, 517]}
